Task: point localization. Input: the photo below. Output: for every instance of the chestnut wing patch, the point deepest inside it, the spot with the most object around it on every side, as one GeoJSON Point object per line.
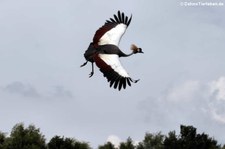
{"type": "Point", "coordinates": [110, 32]}
{"type": "Point", "coordinates": [102, 30]}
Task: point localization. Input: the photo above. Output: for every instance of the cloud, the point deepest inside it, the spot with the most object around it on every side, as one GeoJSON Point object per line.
{"type": "Point", "coordinates": [21, 89]}
{"type": "Point", "coordinates": [217, 88]}
{"type": "Point", "coordinates": [216, 116]}
{"type": "Point", "coordinates": [60, 91]}
{"type": "Point", "coordinates": [167, 106]}
{"type": "Point", "coordinates": [115, 140]}
{"type": "Point", "coordinates": [29, 91]}
{"type": "Point", "coordinates": [183, 92]}
{"type": "Point", "coordinates": [191, 102]}
{"type": "Point", "coordinates": [217, 102]}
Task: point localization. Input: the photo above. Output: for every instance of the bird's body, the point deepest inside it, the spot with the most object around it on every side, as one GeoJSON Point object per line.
{"type": "Point", "coordinates": [104, 51]}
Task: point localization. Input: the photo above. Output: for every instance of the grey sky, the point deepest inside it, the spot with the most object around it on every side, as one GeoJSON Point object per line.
{"type": "Point", "coordinates": [182, 75]}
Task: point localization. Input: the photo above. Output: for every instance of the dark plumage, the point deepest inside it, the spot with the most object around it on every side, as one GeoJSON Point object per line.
{"type": "Point", "coordinates": [104, 51]}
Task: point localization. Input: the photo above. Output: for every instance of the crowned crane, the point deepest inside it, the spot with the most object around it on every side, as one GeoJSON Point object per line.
{"type": "Point", "coordinates": [104, 51]}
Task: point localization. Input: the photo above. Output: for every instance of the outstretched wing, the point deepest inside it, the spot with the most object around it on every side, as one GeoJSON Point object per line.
{"type": "Point", "coordinates": [112, 31]}
{"type": "Point", "coordinates": [112, 69]}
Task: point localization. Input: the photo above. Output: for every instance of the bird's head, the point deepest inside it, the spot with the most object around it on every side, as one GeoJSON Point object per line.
{"type": "Point", "coordinates": [135, 49]}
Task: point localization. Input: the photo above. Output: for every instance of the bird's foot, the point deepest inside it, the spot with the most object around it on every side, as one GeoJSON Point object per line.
{"type": "Point", "coordinates": [135, 81]}
{"type": "Point", "coordinates": [91, 74]}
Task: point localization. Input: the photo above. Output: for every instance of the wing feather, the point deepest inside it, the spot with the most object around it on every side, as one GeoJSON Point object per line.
{"type": "Point", "coordinates": [112, 69]}
{"type": "Point", "coordinates": [112, 31]}
{"type": "Point", "coordinates": [113, 61]}
{"type": "Point", "coordinates": [123, 17]}
{"type": "Point", "coordinates": [119, 16]}
{"type": "Point", "coordinates": [116, 18]}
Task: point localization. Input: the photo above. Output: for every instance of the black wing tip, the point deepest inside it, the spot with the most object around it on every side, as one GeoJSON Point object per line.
{"type": "Point", "coordinates": [128, 23]}
{"type": "Point", "coordinates": [120, 18]}
{"type": "Point", "coordinates": [122, 83]}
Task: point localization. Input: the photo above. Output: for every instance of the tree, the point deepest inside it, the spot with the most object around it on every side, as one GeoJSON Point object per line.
{"type": "Point", "coordinates": [223, 147]}
{"type": "Point", "coordinates": [152, 141]}
{"type": "Point", "coordinates": [171, 141]}
{"type": "Point", "coordinates": [188, 134]}
{"type": "Point", "coordinates": [190, 139]}
{"type": "Point", "coordinates": [108, 145]}
{"type": "Point", "coordinates": [127, 145]}
{"type": "Point", "coordinates": [58, 142]}
{"type": "Point", "coordinates": [2, 139]}
{"type": "Point", "coordinates": [25, 138]}
{"type": "Point", "coordinates": [31, 138]}
{"type": "Point", "coordinates": [203, 141]}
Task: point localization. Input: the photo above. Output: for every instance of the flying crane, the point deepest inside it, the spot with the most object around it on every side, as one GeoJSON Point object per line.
{"type": "Point", "coordinates": [105, 53]}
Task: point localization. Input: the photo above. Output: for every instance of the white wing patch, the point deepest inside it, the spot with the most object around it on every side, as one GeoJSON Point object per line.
{"type": "Point", "coordinates": [114, 35]}
{"type": "Point", "coordinates": [113, 61]}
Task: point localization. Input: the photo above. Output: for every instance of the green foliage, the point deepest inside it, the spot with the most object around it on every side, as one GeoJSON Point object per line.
{"type": "Point", "coordinates": [108, 145]}
{"type": "Point", "coordinates": [31, 138]}
{"type": "Point", "coordinates": [188, 134]}
{"type": "Point", "coordinates": [189, 139]}
{"type": "Point", "coordinates": [25, 138]}
{"type": "Point", "coordinates": [171, 141]}
{"type": "Point", "coordinates": [152, 141]}
{"type": "Point", "coordinates": [58, 142]}
{"type": "Point", "coordinates": [127, 145]}
{"type": "Point", "coordinates": [2, 139]}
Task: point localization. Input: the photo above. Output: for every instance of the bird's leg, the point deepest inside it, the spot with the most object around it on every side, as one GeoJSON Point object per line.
{"type": "Point", "coordinates": [92, 70]}
{"type": "Point", "coordinates": [83, 64]}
